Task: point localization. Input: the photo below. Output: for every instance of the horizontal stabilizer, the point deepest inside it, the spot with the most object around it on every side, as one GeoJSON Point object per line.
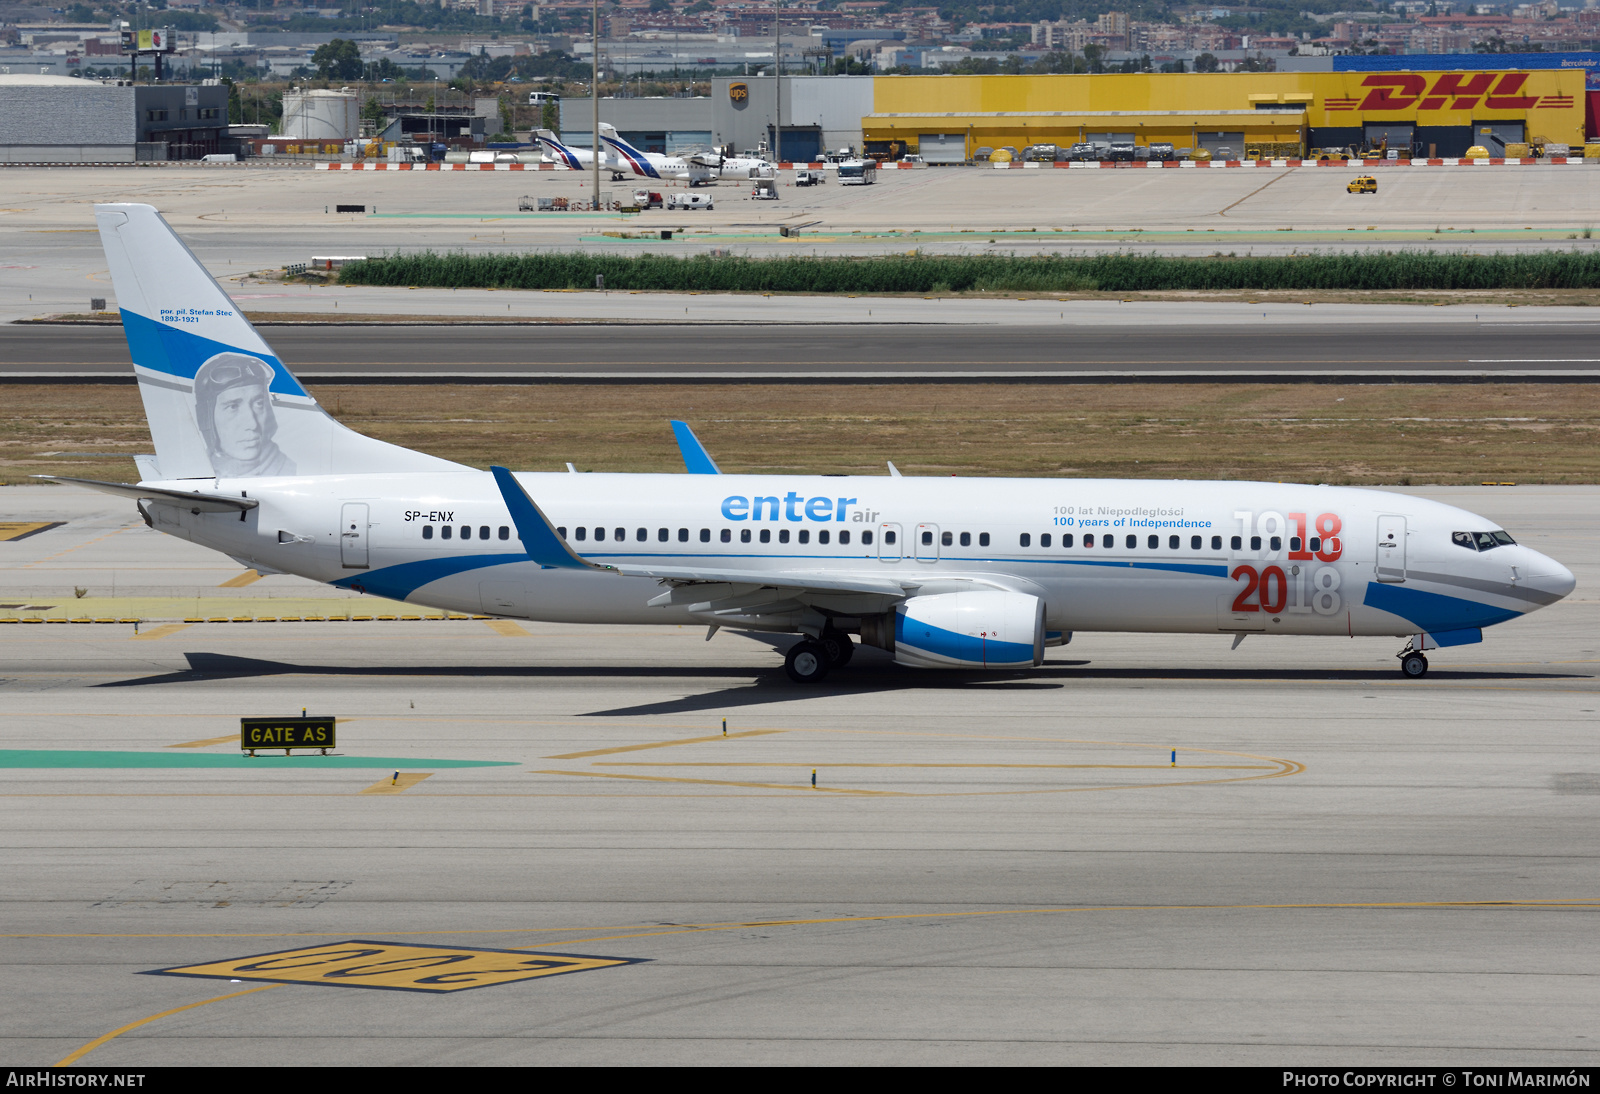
{"type": "Point", "coordinates": [195, 502]}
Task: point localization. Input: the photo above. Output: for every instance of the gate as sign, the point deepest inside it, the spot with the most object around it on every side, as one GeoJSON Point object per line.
{"type": "Point", "coordinates": [353, 536]}
{"type": "Point", "coordinates": [1391, 549]}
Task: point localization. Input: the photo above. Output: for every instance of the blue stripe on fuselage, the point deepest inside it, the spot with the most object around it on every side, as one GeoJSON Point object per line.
{"type": "Point", "coordinates": [1434, 611]}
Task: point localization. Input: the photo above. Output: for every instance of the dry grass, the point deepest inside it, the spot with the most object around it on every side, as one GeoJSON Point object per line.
{"type": "Point", "coordinates": [1377, 434]}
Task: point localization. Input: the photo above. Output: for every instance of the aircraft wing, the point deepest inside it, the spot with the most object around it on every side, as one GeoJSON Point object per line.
{"type": "Point", "coordinates": [696, 460]}
{"type": "Point", "coordinates": [545, 547]}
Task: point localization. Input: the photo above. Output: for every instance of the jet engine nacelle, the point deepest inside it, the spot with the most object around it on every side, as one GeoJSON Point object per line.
{"type": "Point", "coordinates": [980, 629]}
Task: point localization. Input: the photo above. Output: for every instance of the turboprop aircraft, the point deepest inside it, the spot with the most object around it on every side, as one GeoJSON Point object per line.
{"type": "Point", "coordinates": [619, 156]}
{"type": "Point", "coordinates": [940, 572]}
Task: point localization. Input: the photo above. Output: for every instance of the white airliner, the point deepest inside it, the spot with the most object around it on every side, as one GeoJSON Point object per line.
{"type": "Point", "coordinates": [619, 156]}
{"type": "Point", "coordinates": [940, 572]}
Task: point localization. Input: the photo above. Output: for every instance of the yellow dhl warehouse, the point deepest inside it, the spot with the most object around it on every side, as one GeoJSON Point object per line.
{"type": "Point", "coordinates": [1432, 113]}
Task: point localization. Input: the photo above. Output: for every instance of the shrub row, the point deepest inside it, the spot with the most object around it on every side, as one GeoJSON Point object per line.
{"type": "Point", "coordinates": [997, 273]}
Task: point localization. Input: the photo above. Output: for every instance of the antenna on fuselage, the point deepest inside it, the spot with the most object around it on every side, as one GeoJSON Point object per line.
{"type": "Point", "coordinates": [894, 472]}
{"type": "Point", "coordinates": [570, 469]}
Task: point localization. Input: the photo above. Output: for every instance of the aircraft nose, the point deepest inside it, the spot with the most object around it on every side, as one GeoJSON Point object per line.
{"type": "Point", "coordinates": [1550, 576]}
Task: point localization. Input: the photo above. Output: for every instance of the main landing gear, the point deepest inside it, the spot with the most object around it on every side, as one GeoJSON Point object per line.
{"type": "Point", "coordinates": [1413, 664]}
{"type": "Point", "coordinates": [809, 661]}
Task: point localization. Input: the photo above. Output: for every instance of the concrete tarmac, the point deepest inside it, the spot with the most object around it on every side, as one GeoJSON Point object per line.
{"type": "Point", "coordinates": [1253, 348]}
{"type": "Point", "coordinates": [1344, 867]}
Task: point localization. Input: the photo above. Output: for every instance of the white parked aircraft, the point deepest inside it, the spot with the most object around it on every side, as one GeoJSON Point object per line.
{"type": "Point", "coordinates": [619, 156]}
{"type": "Point", "coordinates": [940, 572]}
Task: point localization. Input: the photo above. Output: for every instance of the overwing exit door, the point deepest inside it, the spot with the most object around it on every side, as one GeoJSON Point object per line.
{"type": "Point", "coordinates": [1391, 549]}
{"type": "Point", "coordinates": [353, 536]}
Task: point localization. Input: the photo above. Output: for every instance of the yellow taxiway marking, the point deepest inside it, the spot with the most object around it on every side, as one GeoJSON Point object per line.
{"type": "Point", "coordinates": [397, 966]}
{"type": "Point", "coordinates": [230, 738]}
{"type": "Point", "coordinates": [118, 1032]}
{"type": "Point", "coordinates": [662, 744]}
{"type": "Point", "coordinates": [508, 629]}
{"type": "Point", "coordinates": [249, 577]}
{"type": "Point", "coordinates": [166, 630]}
{"type": "Point", "coordinates": [1055, 767]}
{"type": "Point", "coordinates": [406, 780]}
{"type": "Point", "coordinates": [726, 782]}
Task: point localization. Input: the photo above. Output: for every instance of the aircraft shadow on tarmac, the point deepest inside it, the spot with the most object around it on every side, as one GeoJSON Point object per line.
{"type": "Point", "coordinates": [870, 673]}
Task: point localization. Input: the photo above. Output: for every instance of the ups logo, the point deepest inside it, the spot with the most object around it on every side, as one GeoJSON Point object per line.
{"type": "Point", "coordinates": [1450, 91]}
{"type": "Point", "coordinates": [739, 92]}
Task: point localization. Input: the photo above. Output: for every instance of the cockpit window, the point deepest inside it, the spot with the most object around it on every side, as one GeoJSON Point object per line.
{"type": "Point", "coordinates": [1481, 541]}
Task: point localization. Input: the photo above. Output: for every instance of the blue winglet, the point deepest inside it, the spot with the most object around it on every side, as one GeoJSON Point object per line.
{"type": "Point", "coordinates": [695, 457]}
{"type": "Point", "coordinates": [539, 539]}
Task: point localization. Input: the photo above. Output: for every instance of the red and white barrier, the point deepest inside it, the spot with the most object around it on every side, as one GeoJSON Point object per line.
{"type": "Point", "coordinates": [385, 166]}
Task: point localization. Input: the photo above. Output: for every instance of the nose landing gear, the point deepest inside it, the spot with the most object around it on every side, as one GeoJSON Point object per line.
{"type": "Point", "coordinates": [1413, 664]}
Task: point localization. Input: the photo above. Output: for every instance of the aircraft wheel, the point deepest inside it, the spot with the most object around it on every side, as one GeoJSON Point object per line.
{"type": "Point", "coordinates": [806, 662]}
{"type": "Point", "coordinates": [1414, 665]}
{"type": "Point", "coordinates": [839, 648]}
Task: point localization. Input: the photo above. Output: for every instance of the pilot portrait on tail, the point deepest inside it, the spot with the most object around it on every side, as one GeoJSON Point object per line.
{"type": "Point", "coordinates": [233, 408]}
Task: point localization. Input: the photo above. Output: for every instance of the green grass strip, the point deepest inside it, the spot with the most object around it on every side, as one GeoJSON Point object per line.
{"type": "Point", "coordinates": [981, 273]}
{"type": "Point", "coordinates": [71, 758]}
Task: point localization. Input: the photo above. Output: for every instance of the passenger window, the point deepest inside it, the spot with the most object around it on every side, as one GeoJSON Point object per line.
{"type": "Point", "coordinates": [444, 531]}
{"type": "Point", "coordinates": [866, 539]}
{"type": "Point", "coordinates": [1294, 543]}
{"type": "Point", "coordinates": [662, 535]}
{"type": "Point", "coordinates": [427, 531]}
{"type": "Point", "coordinates": [562, 532]}
{"type": "Point", "coordinates": [1025, 540]}
{"type": "Point", "coordinates": [1132, 541]}
{"type": "Point", "coordinates": [888, 538]}
{"type": "Point", "coordinates": [727, 536]}
{"type": "Point", "coordinates": [1194, 543]}
{"type": "Point", "coordinates": [1153, 542]}
{"type": "Point", "coordinates": [642, 535]}
{"type": "Point", "coordinates": [966, 539]}
{"type": "Point", "coordinates": [1216, 543]}
{"type": "Point", "coordinates": [1236, 543]}
{"type": "Point", "coordinates": [599, 534]}
{"type": "Point", "coordinates": [1255, 543]}
{"type": "Point", "coordinates": [744, 535]}
{"type": "Point", "coordinates": [783, 535]}
{"type": "Point", "coordinates": [1088, 539]}
{"type": "Point", "coordinates": [1044, 539]}
{"type": "Point", "coordinates": [983, 539]}
{"type": "Point", "coordinates": [1316, 543]}
{"type": "Point", "coordinates": [683, 535]}
{"type": "Point", "coordinates": [621, 535]}
{"type": "Point", "coordinates": [705, 535]}
{"type": "Point", "coordinates": [1275, 543]}
{"type": "Point", "coordinates": [581, 533]}
{"type": "Point", "coordinates": [483, 531]}
{"type": "Point", "coordinates": [944, 538]}
{"type": "Point", "coordinates": [822, 536]}
{"type": "Point", "coordinates": [766, 535]}
{"type": "Point", "coordinates": [1173, 543]}
{"type": "Point", "coordinates": [466, 531]}
{"type": "Point", "coordinates": [805, 535]}
{"type": "Point", "coordinates": [505, 532]}
{"type": "Point", "coordinates": [1066, 539]}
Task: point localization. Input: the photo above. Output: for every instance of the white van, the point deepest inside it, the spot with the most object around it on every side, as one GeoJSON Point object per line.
{"type": "Point", "coordinates": [539, 98]}
{"type": "Point", "coordinates": [220, 157]}
{"type": "Point", "coordinates": [689, 201]}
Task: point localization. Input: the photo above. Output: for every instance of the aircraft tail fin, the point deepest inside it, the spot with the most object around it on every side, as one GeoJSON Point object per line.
{"type": "Point", "coordinates": [636, 160]}
{"type": "Point", "coordinates": [219, 401]}
{"type": "Point", "coordinates": [561, 152]}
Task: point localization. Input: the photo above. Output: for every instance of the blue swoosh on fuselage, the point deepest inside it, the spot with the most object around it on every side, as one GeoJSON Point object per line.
{"type": "Point", "coordinates": [1434, 611]}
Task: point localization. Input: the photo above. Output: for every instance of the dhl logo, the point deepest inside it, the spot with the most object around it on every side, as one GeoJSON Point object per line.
{"type": "Point", "coordinates": [1392, 91]}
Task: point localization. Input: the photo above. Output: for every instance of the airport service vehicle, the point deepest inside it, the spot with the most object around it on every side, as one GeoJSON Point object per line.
{"type": "Point", "coordinates": [940, 572]}
{"type": "Point", "coordinates": [1121, 151]}
{"type": "Point", "coordinates": [809, 178]}
{"type": "Point", "coordinates": [982, 154]}
{"type": "Point", "coordinates": [690, 201]}
{"type": "Point", "coordinates": [1162, 151]}
{"type": "Point", "coordinates": [1364, 184]}
{"type": "Point", "coordinates": [1080, 152]}
{"type": "Point", "coordinates": [408, 153]}
{"type": "Point", "coordinates": [858, 172]}
{"type": "Point", "coordinates": [539, 98]}
{"type": "Point", "coordinates": [765, 190]}
{"type": "Point", "coordinates": [647, 199]}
